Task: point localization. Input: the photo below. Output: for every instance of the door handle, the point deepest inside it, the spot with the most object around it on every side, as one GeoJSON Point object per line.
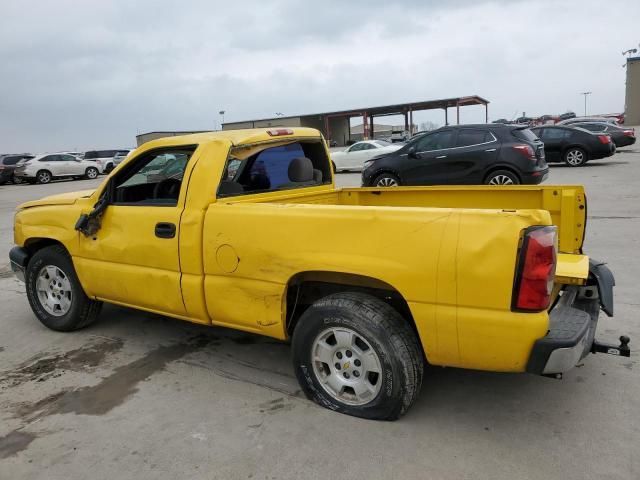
{"type": "Point", "coordinates": [490, 150]}
{"type": "Point", "coordinates": [165, 230]}
{"type": "Point", "coordinates": [442, 156]}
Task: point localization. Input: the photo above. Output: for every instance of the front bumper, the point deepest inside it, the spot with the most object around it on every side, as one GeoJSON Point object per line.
{"type": "Point", "coordinates": [18, 258]}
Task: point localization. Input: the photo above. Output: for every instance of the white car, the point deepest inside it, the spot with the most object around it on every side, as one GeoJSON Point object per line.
{"type": "Point", "coordinates": [44, 168]}
{"type": "Point", "coordinates": [121, 155]}
{"type": "Point", "coordinates": [354, 157]}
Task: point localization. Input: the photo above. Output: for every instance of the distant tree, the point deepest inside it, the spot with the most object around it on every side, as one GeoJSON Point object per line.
{"type": "Point", "coordinates": [427, 126]}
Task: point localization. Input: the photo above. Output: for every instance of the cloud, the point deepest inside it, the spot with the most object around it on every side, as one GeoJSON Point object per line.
{"type": "Point", "coordinates": [89, 74]}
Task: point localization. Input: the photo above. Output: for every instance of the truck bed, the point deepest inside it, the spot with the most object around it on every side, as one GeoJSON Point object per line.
{"type": "Point", "coordinates": [566, 203]}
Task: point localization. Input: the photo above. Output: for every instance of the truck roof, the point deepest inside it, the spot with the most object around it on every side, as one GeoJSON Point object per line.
{"type": "Point", "coordinates": [236, 137]}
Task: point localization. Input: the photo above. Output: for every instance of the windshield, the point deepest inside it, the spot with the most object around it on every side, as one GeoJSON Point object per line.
{"type": "Point", "coordinates": [382, 143]}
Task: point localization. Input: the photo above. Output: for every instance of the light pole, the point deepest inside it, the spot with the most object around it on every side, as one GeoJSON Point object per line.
{"type": "Point", "coordinates": [585, 101]}
{"type": "Point", "coordinates": [221, 112]}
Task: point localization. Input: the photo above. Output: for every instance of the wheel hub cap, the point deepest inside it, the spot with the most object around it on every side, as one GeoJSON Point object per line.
{"type": "Point", "coordinates": [501, 180]}
{"type": "Point", "coordinates": [54, 290]}
{"type": "Point", "coordinates": [387, 182]}
{"type": "Point", "coordinates": [346, 365]}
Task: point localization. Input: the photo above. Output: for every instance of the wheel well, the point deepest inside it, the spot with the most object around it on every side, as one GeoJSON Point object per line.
{"type": "Point", "coordinates": [305, 288]}
{"type": "Point", "coordinates": [495, 169]}
{"type": "Point", "coordinates": [32, 245]}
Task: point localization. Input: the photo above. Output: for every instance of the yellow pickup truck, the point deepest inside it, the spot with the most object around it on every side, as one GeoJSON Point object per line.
{"type": "Point", "coordinates": [245, 229]}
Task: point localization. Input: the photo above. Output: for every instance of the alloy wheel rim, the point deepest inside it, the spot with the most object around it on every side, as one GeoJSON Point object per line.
{"type": "Point", "coordinates": [54, 290]}
{"type": "Point", "coordinates": [44, 177]}
{"type": "Point", "coordinates": [387, 182]}
{"type": "Point", "coordinates": [91, 173]}
{"type": "Point", "coordinates": [501, 180]}
{"type": "Point", "coordinates": [574, 157]}
{"type": "Point", "coordinates": [347, 366]}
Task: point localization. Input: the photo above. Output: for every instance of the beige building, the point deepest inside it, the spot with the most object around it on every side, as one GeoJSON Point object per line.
{"type": "Point", "coordinates": [632, 97]}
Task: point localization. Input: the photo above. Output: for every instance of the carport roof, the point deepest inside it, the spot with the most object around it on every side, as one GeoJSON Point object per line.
{"type": "Point", "coordinates": [397, 108]}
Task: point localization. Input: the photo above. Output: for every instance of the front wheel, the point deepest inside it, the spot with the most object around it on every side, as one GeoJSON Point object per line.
{"type": "Point", "coordinates": [502, 177]}
{"type": "Point", "coordinates": [91, 173]}
{"type": "Point", "coordinates": [16, 180]}
{"type": "Point", "coordinates": [386, 180]}
{"type": "Point", "coordinates": [355, 354]}
{"type": "Point", "coordinates": [575, 157]}
{"type": "Point", "coordinates": [54, 291]}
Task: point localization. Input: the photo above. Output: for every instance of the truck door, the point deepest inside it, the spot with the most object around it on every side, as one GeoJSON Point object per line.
{"type": "Point", "coordinates": [133, 259]}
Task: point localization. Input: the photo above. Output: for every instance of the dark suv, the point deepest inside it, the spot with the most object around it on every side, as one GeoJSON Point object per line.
{"type": "Point", "coordinates": [493, 154]}
{"type": "Point", "coordinates": [8, 165]}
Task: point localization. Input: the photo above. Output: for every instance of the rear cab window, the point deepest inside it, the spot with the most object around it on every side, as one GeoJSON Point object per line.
{"type": "Point", "coordinates": [265, 168]}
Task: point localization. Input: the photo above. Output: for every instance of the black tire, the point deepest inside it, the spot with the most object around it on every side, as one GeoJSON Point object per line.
{"type": "Point", "coordinates": [575, 157]}
{"type": "Point", "coordinates": [44, 176]}
{"type": "Point", "coordinates": [108, 168]}
{"type": "Point", "coordinates": [82, 310]}
{"type": "Point", "coordinates": [91, 173]}
{"type": "Point", "coordinates": [502, 177]}
{"type": "Point", "coordinates": [333, 166]}
{"type": "Point", "coordinates": [386, 180]}
{"type": "Point", "coordinates": [388, 334]}
{"type": "Point", "coordinates": [16, 180]}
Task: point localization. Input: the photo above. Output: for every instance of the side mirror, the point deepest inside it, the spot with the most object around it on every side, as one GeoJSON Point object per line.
{"type": "Point", "coordinates": [411, 152]}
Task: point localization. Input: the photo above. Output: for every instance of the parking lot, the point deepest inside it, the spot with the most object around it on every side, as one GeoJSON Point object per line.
{"type": "Point", "coordinates": [137, 395]}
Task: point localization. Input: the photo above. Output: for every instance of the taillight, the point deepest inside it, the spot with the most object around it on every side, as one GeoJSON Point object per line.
{"type": "Point", "coordinates": [604, 139]}
{"type": "Point", "coordinates": [526, 150]}
{"type": "Point", "coordinates": [536, 269]}
{"type": "Point", "coordinates": [630, 133]}
{"type": "Point", "coordinates": [277, 132]}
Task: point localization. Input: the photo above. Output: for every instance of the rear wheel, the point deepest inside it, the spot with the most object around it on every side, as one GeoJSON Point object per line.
{"type": "Point", "coordinates": [575, 157]}
{"type": "Point", "coordinates": [54, 291]}
{"type": "Point", "coordinates": [43, 176]}
{"type": "Point", "coordinates": [16, 180]}
{"type": "Point", "coordinates": [386, 180]}
{"type": "Point", "coordinates": [502, 177]}
{"type": "Point", "coordinates": [355, 354]}
{"type": "Point", "coordinates": [91, 173]}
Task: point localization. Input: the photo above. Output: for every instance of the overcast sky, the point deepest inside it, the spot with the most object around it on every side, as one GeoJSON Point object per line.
{"type": "Point", "coordinates": [92, 74]}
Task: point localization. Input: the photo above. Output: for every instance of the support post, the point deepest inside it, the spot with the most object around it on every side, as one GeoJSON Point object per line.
{"type": "Point", "coordinates": [371, 132]}
{"type": "Point", "coordinates": [327, 131]}
{"type": "Point", "coordinates": [486, 113]}
{"type": "Point", "coordinates": [446, 116]}
{"type": "Point", "coordinates": [457, 113]}
{"type": "Point", "coordinates": [411, 123]}
{"type": "Point", "coordinates": [406, 121]}
{"type": "Point", "coordinates": [365, 126]}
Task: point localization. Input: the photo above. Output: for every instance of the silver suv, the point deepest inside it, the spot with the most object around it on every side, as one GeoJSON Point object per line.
{"type": "Point", "coordinates": [44, 168]}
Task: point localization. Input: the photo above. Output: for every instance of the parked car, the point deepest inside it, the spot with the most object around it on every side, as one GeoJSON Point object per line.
{"type": "Point", "coordinates": [366, 285]}
{"type": "Point", "coordinates": [574, 121]}
{"type": "Point", "coordinates": [573, 145]}
{"type": "Point", "coordinates": [354, 157]}
{"type": "Point", "coordinates": [120, 156]}
{"type": "Point", "coordinates": [493, 154]}
{"type": "Point", "coordinates": [622, 137]}
{"type": "Point", "coordinates": [44, 168]}
{"type": "Point", "coordinates": [566, 116]}
{"type": "Point", "coordinates": [104, 159]}
{"type": "Point", "coordinates": [8, 165]}
{"type": "Point", "coordinates": [399, 135]}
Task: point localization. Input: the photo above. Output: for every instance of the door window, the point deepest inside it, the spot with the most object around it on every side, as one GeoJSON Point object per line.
{"type": "Point", "coordinates": [153, 179]}
{"type": "Point", "coordinates": [469, 137]}
{"type": "Point", "coordinates": [555, 134]}
{"type": "Point", "coordinates": [356, 147]}
{"type": "Point", "coordinates": [435, 141]}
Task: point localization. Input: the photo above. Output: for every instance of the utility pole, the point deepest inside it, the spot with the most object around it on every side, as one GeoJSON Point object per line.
{"type": "Point", "coordinates": [585, 101]}
{"type": "Point", "coordinates": [221, 112]}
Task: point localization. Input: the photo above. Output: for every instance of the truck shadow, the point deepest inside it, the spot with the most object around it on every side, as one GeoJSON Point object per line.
{"type": "Point", "coordinates": [459, 395]}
